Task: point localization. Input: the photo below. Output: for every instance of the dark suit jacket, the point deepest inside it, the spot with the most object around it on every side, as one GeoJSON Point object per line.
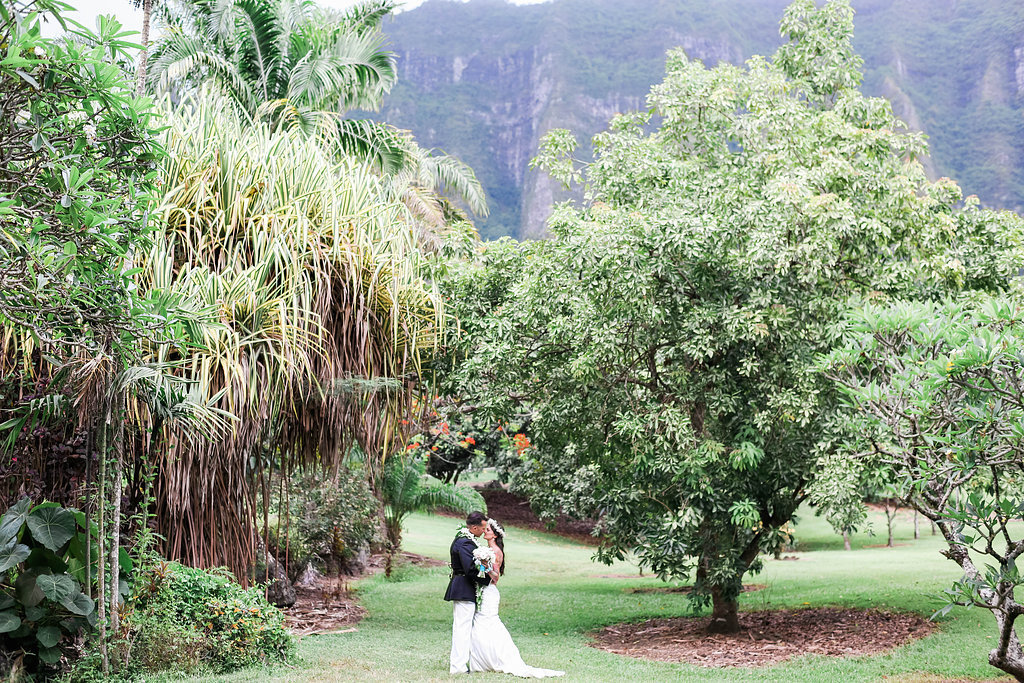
{"type": "Point", "coordinates": [464, 572]}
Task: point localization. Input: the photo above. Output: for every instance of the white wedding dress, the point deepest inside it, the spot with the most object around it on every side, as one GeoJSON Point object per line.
{"type": "Point", "coordinates": [492, 648]}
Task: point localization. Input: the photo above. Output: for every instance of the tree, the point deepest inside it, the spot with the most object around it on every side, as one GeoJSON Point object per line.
{"type": "Point", "coordinates": [939, 395]}
{"type": "Point", "coordinates": [77, 170]}
{"type": "Point", "coordinates": [664, 337]}
{"type": "Point", "coordinates": [298, 63]}
{"type": "Point", "coordinates": [403, 491]}
{"type": "Point", "coordinates": [315, 317]}
{"type": "Point", "coordinates": [304, 66]}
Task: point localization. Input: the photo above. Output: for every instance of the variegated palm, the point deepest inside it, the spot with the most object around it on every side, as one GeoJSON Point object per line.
{"type": "Point", "coordinates": [310, 272]}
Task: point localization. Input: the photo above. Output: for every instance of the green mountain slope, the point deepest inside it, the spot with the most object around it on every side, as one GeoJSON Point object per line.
{"type": "Point", "coordinates": [484, 79]}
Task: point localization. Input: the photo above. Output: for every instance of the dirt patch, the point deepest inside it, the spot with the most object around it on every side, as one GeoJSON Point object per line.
{"type": "Point", "coordinates": [749, 588]}
{"type": "Point", "coordinates": [510, 509]}
{"type": "Point", "coordinates": [331, 606]}
{"type": "Point", "coordinates": [766, 637]}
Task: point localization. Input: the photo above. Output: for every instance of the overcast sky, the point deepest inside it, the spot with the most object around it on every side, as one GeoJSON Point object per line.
{"type": "Point", "coordinates": [132, 18]}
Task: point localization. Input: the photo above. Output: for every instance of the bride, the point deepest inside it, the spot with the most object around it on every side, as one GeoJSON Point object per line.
{"type": "Point", "coordinates": [492, 648]}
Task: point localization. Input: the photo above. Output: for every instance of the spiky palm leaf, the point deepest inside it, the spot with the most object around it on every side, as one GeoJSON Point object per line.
{"type": "Point", "coordinates": [405, 489]}
{"type": "Point", "coordinates": [307, 269]}
{"type": "Point", "coordinates": [289, 59]}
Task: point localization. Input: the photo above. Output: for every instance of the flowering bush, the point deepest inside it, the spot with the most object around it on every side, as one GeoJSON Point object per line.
{"type": "Point", "coordinates": [195, 620]}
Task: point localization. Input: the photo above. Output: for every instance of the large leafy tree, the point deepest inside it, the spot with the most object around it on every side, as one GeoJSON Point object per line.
{"type": "Point", "coordinates": [662, 340]}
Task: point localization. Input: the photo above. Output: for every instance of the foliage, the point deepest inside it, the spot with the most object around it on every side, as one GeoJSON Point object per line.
{"type": "Point", "coordinates": [43, 568]}
{"type": "Point", "coordinates": [301, 64]}
{"type": "Point", "coordinates": [450, 439]}
{"type": "Point", "coordinates": [404, 491]}
{"type": "Point", "coordinates": [940, 390]}
{"type": "Point", "coordinates": [76, 175]}
{"type": "Point", "coordinates": [669, 328]}
{"type": "Point", "coordinates": [194, 621]}
{"type": "Point", "coordinates": [330, 518]}
{"type": "Point", "coordinates": [309, 281]}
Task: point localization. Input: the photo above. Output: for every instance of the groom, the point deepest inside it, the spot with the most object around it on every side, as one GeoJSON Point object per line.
{"type": "Point", "coordinates": [462, 590]}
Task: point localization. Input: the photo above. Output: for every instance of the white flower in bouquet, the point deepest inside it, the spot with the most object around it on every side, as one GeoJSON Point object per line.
{"type": "Point", "coordinates": [484, 558]}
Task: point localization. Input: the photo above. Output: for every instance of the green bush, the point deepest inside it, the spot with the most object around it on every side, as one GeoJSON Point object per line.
{"type": "Point", "coordinates": [330, 519]}
{"type": "Point", "coordinates": [192, 621]}
{"type": "Point", "coordinates": [239, 626]}
{"type": "Point", "coordinates": [42, 571]}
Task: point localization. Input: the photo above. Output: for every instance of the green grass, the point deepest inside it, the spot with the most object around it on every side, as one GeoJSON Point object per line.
{"type": "Point", "coordinates": [553, 595]}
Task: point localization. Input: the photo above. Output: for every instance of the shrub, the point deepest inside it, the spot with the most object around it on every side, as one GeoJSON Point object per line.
{"type": "Point", "coordinates": [330, 519]}
{"type": "Point", "coordinates": [42, 570]}
{"type": "Point", "coordinates": [193, 621]}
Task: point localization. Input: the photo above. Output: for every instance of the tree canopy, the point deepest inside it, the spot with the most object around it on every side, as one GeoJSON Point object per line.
{"type": "Point", "coordinates": [663, 339]}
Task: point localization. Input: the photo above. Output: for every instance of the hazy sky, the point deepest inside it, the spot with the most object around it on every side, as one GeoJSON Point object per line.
{"type": "Point", "coordinates": [132, 18]}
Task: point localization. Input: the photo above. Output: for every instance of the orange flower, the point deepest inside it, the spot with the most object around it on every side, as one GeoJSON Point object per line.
{"type": "Point", "coordinates": [470, 440]}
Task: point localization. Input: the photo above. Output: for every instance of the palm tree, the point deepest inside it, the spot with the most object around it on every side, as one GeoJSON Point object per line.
{"type": "Point", "coordinates": [288, 60]}
{"type": "Point", "coordinates": [303, 66]}
{"type": "Point", "coordinates": [405, 490]}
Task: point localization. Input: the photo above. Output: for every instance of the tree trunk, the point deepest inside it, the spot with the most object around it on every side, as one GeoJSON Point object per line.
{"type": "Point", "coordinates": [140, 72]}
{"type": "Point", "coordinates": [101, 588]}
{"type": "Point", "coordinates": [917, 526]}
{"type": "Point", "coordinates": [724, 613]}
{"type": "Point", "coordinates": [846, 541]}
{"type": "Point", "coordinates": [890, 515]}
{"type": "Point", "coordinates": [115, 522]}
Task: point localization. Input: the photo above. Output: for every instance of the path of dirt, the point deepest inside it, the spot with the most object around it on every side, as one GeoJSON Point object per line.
{"type": "Point", "coordinates": [766, 637]}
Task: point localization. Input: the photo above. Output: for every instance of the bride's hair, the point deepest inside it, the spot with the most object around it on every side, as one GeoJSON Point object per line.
{"type": "Point", "coordinates": [499, 540]}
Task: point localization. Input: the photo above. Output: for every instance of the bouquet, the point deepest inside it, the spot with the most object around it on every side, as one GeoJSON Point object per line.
{"type": "Point", "coordinates": [484, 558]}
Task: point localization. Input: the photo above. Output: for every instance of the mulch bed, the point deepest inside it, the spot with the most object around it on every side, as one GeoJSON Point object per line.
{"type": "Point", "coordinates": [331, 606]}
{"type": "Point", "coordinates": [747, 588]}
{"type": "Point", "coordinates": [328, 607]}
{"type": "Point", "coordinates": [766, 637]}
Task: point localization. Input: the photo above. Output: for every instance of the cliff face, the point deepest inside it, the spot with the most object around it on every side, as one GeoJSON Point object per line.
{"type": "Point", "coordinates": [484, 80]}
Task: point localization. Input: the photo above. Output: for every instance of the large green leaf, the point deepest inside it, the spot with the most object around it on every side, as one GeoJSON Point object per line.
{"type": "Point", "coordinates": [12, 520]}
{"type": "Point", "coordinates": [37, 613]}
{"type": "Point", "coordinates": [27, 591]}
{"type": "Point", "coordinates": [57, 587]}
{"type": "Point", "coordinates": [51, 526]}
{"type": "Point", "coordinates": [48, 636]}
{"type": "Point", "coordinates": [46, 561]}
{"type": "Point", "coordinates": [12, 554]}
{"type": "Point", "coordinates": [9, 621]}
{"type": "Point", "coordinates": [80, 604]}
{"type": "Point", "coordinates": [50, 655]}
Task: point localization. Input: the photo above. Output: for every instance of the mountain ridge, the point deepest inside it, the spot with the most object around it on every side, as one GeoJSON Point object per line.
{"type": "Point", "coordinates": [483, 80]}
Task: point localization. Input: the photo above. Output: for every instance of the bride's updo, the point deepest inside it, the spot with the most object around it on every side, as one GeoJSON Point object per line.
{"type": "Point", "coordinates": [499, 540]}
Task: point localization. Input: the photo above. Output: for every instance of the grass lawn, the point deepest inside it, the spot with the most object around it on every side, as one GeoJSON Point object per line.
{"type": "Point", "coordinates": [553, 595]}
